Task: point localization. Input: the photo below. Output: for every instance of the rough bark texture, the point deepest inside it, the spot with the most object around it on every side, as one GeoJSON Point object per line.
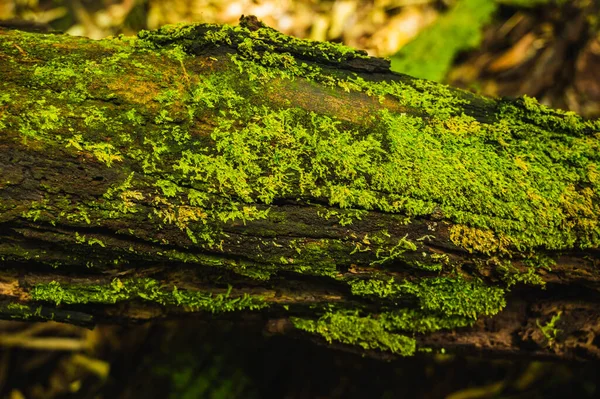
{"type": "Point", "coordinates": [234, 172]}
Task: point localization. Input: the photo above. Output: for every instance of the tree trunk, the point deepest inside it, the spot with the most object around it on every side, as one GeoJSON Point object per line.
{"type": "Point", "coordinates": [234, 172]}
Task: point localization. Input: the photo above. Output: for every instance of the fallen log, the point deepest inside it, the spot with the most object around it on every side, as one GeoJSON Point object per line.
{"type": "Point", "coordinates": [216, 171]}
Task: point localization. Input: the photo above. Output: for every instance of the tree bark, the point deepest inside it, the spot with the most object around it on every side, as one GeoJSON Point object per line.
{"type": "Point", "coordinates": [234, 172]}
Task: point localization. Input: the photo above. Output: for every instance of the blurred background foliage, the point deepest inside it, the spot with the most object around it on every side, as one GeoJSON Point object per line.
{"type": "Point", "coordinates": [549, 49]}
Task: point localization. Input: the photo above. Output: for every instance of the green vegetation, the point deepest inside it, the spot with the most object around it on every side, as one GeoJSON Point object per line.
{"type": "Point", "coordinates": [20, 311]}
{"type": "Point", "coordinates": [448, 296]}
{"type": "Point", "coordinates": [209, 144]}
{"type": "Point", "coordinates": [549, 330]}
{"type": "Point", "coordinates": [145, 289]}
{"type": "Point", "coordinates": [481, 176]}
{"type": "Point", "coordinates": [443, 303]}
{"type": "Point", "coordinates": [349, 328]}
{"type": "Point", "coordinates": [430, 54]}
{"type": "Point", "coordinates": [17, 310]}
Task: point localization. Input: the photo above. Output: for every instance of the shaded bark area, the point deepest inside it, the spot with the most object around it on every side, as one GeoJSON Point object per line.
{"type": "Point", "coordinates": [235, 173]}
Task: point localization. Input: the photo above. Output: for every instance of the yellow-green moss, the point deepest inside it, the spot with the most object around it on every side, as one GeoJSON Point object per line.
{"type": "Point", "coordinates": [528, 179]}
{"type": "Point", "coordinates": [524, 180]}
{"type": "Point", "coordinates": [20, 311]}
{"type": "Point", "coordinates": [441, 303]}
{"type": "Point", "coordinates": [442, 295]}
{"type": "Point", "coordinates": [351, 329]}
{"type": "Point", "coordinates": [549, 330]}
{"type": "Point", "coordinates": [145, 289]}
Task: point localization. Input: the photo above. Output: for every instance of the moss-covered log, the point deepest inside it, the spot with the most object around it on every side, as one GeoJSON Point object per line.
{"type": "Point", "coordinates": [221, 171]}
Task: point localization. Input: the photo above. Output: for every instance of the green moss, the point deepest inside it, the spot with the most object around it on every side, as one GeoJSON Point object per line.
{"type": "Point", "coordinates": [16, 310]}
{"type": "Point", "coordinates": [145, 289]}
{"type": "Point", "coordinates": [238, 266]}
{"type": "Point", "coordinates": [502, 193]}
{"type": "Point", "coordinates": [394, 252]}
{"type": "Point", "coordinates": [421, 322]}
{"type": "Point", "coordinates": [315, 258]}
{"type": "Point", "coordinates": [549, 330]}
{"type": "Point", "coordinates": [19, 311]}
{"type": "Point", "coordinates": [351, 329]}
{"type": "Point", "coordinates": [209, 146]}
{"type": "Point", "coordinates": [168, 188]}
{"type": "Point", "coordinates": [442, 295]}
{"type": "Point", "coordinates": [82, 239]}
{"type": "Point", "coordinates": [344, 217]}
{"type": "Point", "coordinates": [442, 303]}
{"type": "Point", "coordinates": [191, 37]}
{"type": "Point", "coordinates": [104, 152]}
{"type": "Point", "coordinates": [17, 307]}
{"type": "Point", "coordinates": [458, 297]}
{"type": "Point", "coordinates": [534, 264]}
{"type": "Point", "coordinates": [60, 74]}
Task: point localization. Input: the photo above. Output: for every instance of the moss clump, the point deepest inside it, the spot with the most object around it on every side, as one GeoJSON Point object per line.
{"type": "Point", "coordinates": [443, 303]}
{"type": "Point", "coordinates": [458, 297]}
{"type": "Point", "coordinates": [533, 265]}
{"type": "Point", "coordinates": [145, 289]}
{"type": "Point", "coordinates": [441, 295]}
{"type": "Point", "coordinates": [417, 321]}
{"type": "Point", "coordinates": [247, 39]}
{"type": "Point", "coordinates": [19, 311]}
{"type": "Point", "coordinates": [351, 329]}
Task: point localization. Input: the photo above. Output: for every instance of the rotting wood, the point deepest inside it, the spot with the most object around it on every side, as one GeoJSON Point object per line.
{"type": "Point", "coordinates": [206, 169]}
